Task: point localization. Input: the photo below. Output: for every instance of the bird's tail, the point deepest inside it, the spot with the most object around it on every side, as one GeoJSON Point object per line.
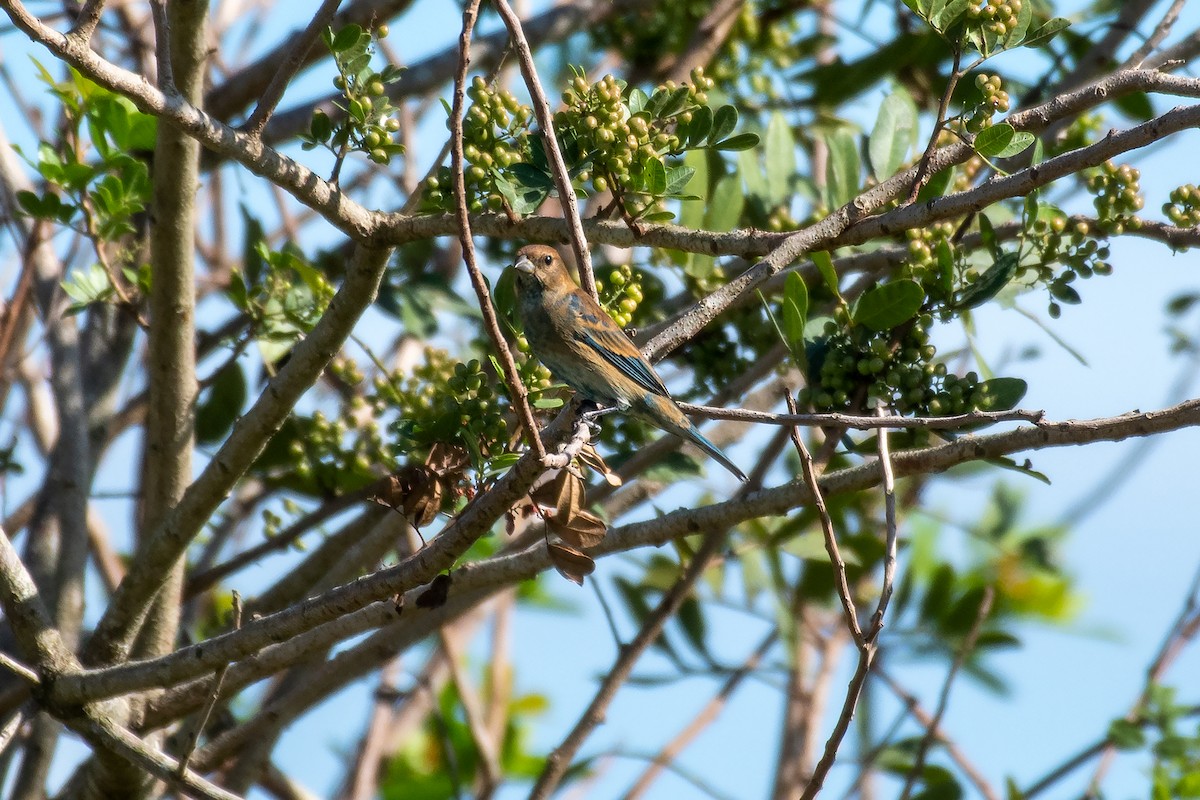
{"type": "Point", "coordinates": [663, 412]}
{"type": "Point", "coordinates": [704, 444]}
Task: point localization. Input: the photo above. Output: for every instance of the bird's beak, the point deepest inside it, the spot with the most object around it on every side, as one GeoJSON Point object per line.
{"type": "Point", "coordinates": [524, 264]}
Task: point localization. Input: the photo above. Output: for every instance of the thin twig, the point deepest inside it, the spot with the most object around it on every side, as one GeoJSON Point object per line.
{"type": "Point", "coordinates": [831, 544]}
{"type": "Point", "coordinates": [1183, 630]}
{"type": "Point", "coordinates": [943, 107]}
{"type": "Point", "coordinates": [958, 421]}
{"type": "Point", "coordinates": [960, 658]}
{"type": "Point", "coordinates": [562, 178]}
{"type": "Point", "coordinates": [913, 707]}
{"type": "Point", "coordinates": [520, 395]}
{"type": "Point", "coordinates": [561, 757]}
{"type": "Point", "coordinates": [888, 484]}
{"type": "Point", "coordinates": [23, 672]}
{"type": "Point", "coordinates": [1156, 37]}
{"type": "Point", "coordinates": [297, 55]}
{"type": "Point", "coordinates": [202, 581]}
{"type": "Point", "coordinates": [213, 698]}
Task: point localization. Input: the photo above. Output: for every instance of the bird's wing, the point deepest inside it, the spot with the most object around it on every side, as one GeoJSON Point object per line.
{"type": "Point", "coordinates": [615, 348]}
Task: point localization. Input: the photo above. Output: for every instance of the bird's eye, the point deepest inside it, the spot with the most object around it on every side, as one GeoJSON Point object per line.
{"type": "Point", "coordinates": [547, 260]}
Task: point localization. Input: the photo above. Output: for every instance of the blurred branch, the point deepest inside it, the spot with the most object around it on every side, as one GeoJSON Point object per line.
{"type": "Point", "coordinates": [960, 658]}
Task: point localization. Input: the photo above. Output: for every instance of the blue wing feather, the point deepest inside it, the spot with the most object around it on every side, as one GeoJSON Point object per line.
{"type": "Point", "coordinates": [609, 344]}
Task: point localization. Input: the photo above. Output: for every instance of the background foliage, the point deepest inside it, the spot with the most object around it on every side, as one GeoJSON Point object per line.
{"type": "Point", "coordinates": [866, 195]}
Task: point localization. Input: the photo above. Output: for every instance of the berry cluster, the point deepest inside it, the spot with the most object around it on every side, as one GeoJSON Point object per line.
{"type": "Point", "coordinates": [495, 131]}
{"type": "Point", "coordinates": [1118, 196]}
{"type": "Point", "coordinates": [992, 99]}
{"type": "Point", "coordinates": [1069, 244]}
{"type": "Point", "coordinates": [997, 17]}
{"type": "Point", "coordinates": [370, 123]}
{"type": "Point", "coordinates": [861, 367]}
{"type": "Point", "coordinates": [443, 402]}
{"type": "Point", "coordinates": [1184, 207]}
{"type": "Point", "coordinates": [625, 141]}
{"type": "Point", "coordinates": [342, 452]}
{"type": "Point", "coordinates": [621, 293]}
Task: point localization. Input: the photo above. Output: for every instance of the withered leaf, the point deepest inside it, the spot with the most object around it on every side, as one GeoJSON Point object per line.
{"type": "Point", "coordinates": [570, 495]}
{"type": "Point", "coordinates": [415, 491]}
{"type": "Point", "coordinates": [581, 529]}
{"type": "Point", "coordinates": [447, 459]}
{"type": "Point", "coordinates": [592, 459]}
{"type": "Point", "coordinates": [435, 596]}
{"type": "Point", "coordinates": [570, 563]}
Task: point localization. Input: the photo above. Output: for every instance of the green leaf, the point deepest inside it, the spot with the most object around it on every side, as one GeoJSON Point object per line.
{"type": "Point", "coordinates": [992, 141]}
{"type": "Point", "coordinates": [743, 141]}
{"type": "Point", "coordinates": [987, 236]}
{"type": "Point", "coordinates": [936, 186]}
{"type": "Point", "coordinates": [523, 200]}
{"type": "Point", "coordinates": [724, 121]}
{"type": "Point", "coordinates": [678, 178]}
{"type": "Point", "coordinates": [638, 100]}
{"type": "Point", "coordinates": [346, 38]}
{"type": "Point", "coordinates": [725, 208]}
{"type": "Point", "coordinates": [1126, 735]}
{"type": "Point", "coordinates": [894, 133]}
{"type": "Point", "coordinates": [692, 215]}
{"type": "Point", "coordinates": [700, 126]}
{"type": "Point", "coordinates": [221, 404]}
{"type": "Point", "coordinates": [674, 103]}
{"type": "Point", "coordinates": [529, 176]}
{"type": "Point", "coordinates": [1046, 32]}
{"type": "Point", "coordinates": [1016, 34]}
{"type": "Point", "coordinates": [752, 175]}
{"type": "Point", "coordinates": [889, 305]}
{"type": "Point", "coordinates": [843, 170]}
{"type": "Point", "coordinates": [1020, 143]}
{"type": "Point", "coordinates": [1135, 105]}
{"type": "Point", "coordinates": [946, 14]}
{"type": "Point", "coordinates": [1005, 393]}
{"type": "Point", "coordinates": [691, 621]}
{"type": "Point", "coordinates": [824, 264]}
{"type": "Point", "coordinates": [780, 159]}
{"type": "Point", "coordinates": [795, 307]}
{"type": "Point", "coordinates": [656, 178]}
{"type": "Point", "coordinates": [989, 283]}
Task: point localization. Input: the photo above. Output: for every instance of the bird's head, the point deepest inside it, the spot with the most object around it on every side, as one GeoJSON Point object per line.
{"type": "Point", "coordinates": [540, 267]}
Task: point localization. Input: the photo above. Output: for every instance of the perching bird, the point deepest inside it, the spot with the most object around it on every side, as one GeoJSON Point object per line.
{"type": "Point", "coordinates": [577, 340]}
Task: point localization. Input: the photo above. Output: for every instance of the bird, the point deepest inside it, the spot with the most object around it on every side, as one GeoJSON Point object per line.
{"type": "Point", "coordinates": [581, 345]}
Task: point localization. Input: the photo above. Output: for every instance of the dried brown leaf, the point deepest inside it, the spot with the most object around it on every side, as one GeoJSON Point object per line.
{"type": "Point", "coordinates": [582, 529]}
{"type": "Point", "coordinates": [570, 563]}
{"type": "Point", "coordinates": [589, 456]}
